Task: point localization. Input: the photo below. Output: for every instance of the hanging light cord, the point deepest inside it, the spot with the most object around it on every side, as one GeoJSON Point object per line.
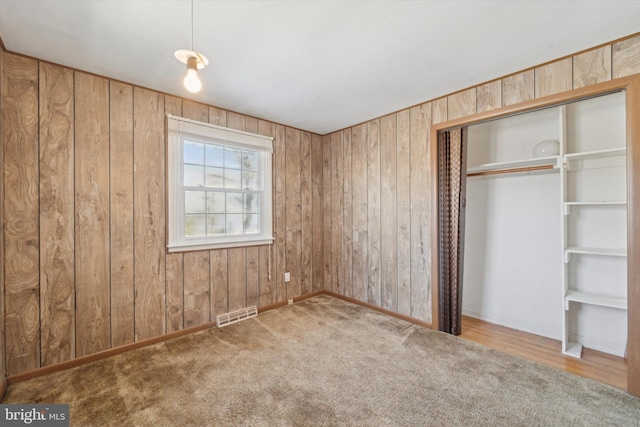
{"type": "Point", "coordinates": [192, 26]}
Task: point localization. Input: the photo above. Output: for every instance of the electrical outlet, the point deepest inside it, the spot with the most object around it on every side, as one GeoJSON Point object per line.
{"type": "Point", "coordinates": [287, 277]}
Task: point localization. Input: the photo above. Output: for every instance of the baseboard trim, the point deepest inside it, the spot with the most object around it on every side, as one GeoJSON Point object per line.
{"type": "Point", "coordinates": [83, 360]}
{"type": "Point", "coordinates": [380, 309]}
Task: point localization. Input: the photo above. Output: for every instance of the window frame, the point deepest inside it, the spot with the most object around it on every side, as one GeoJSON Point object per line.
{"type": "Point", "coordinates": [180, 129]}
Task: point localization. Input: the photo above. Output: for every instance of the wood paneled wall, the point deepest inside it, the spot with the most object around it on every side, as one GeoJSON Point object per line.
{"type": "Point", "coordinates": [376, 180]}
{"type": "Point", "coordinates": [84, 263]}
{"type": "Point", "coordinates": [84, 218]}
{"type": "Point", "coordinates": [3, 370]}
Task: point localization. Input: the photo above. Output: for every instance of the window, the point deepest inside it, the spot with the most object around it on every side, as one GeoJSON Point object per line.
{"type": "Point", "coordinates": [219, 186]}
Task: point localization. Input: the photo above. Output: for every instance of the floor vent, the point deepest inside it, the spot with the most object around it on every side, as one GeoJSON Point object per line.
{"type": "Point", "coordinates": [236, 316]}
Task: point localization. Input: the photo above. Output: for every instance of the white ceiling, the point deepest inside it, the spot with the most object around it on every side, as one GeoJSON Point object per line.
{"type": "Point", "coordinates": [315, 65]}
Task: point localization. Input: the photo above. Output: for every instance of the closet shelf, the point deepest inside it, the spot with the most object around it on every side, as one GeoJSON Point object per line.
{"type": "Point", "coordinates": [588, 298]}
{"type": "Point", "coordinates": [595, 203]}
{"type": "Point", "coordinates": [514, 165]}
{"type": "Point", "coordinates": [595, 251]}
{"type": "Point", "coordinates": [596, 154]}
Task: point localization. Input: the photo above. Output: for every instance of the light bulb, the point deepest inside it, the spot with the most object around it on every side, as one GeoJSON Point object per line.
{"type": "Point", "coordinates": [191, 81]}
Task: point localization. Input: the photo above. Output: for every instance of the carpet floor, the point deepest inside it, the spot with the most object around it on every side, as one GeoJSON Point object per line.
{"type": "Point", "coordinates": [324, 361]}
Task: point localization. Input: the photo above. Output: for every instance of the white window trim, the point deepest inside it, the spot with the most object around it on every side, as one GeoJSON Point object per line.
{"type": "Point", "coordinates": [179, 128]}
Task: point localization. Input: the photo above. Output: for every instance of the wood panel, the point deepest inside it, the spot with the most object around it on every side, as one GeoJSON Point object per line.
{"type": "Point", "coordinates": [218, 285]}
{"type": "Point", "coordinates": [488, 96]}
{"type": "Point", "coordinates": [253, 252]}
{"type": "Point", "coordinates": [195, 111]}
{"type": "Point", "coordinates": [403, 209]}
{"type": "Point", "coordinates": [197, 305]}
{"type": "Point", "coordinates": [360, 272]}
{"type": "Point", "coordinates": [293, 212]}
{"type": "Point", "coordinates": [253, 276]}
{"type": "Point", "coordinates": [174, 269]}
{"type": "Point", "coordinates": [553, 78]}
{"type": "Point", "coordinates": [440, 110]}
{"type": "Point", "coordinates": [196, 288]}
{"type": "Point", "coordinates": [388, 236]}
{"type": "Point", "coordinates": [149, 213]}
{"type": "Point", "coordinates": [237, 257]}
{"type": "Point", "coordinates": [461, 104]}
{"type": "Point", "coordinates": [266, 285]}
{"type": "Point", "coordinates": [626, 57]}
{"type": "Point", "coordinates": [347, 217]}
{"type": "Point", "coordinates": [237, 278]}
{"type": "Point", "coordinates": [3, 366]}
{"type": "Point", "coordinates": [217, 116]}
{"type": "Point", "coordinates": [420, 119]}
{"type": "Point", "coordinates": [174, 276]}
{"type": "Point", "coordinates": [517, 88]}
{"type": "Point", "coordinates": [373, 210]}
{"type": "Point", "coordinates": [280, 204]}
{"type": "Point", "coordinates": [326, 208]}
{"type": "Point", "coordinates": [317, 213]}
{"type": "Point", "coordinates": [219, 282]}
{"type": "Point", "coordinates": [592, 67]}
{"type": "Point", "coordinates": [306, 278]}
{"type": "Point", "coordinates": [57, 281]}
{"type": "Point", "coordinates": [121, 207]}
{"type": "Point", "coordinates": [337, 164]}
{"type": "Point", "coordinates": [93, 276]}
{"type": "Point", "coordinates": [21, 235]}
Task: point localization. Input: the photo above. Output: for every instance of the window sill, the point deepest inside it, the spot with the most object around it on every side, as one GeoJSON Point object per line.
{"type": "Point", "coordinates": [222, 245]}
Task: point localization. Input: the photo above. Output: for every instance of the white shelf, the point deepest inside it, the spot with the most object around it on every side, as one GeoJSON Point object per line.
{"type": "Point", "coordinates": [587, 298]}
{"type": "Point", "coordinates": [540, 161]}
{"type": "Point", "coordinates": [594, 203]}
{"type": "Point", "coordinates": [596, 154]}
{"type": "Point", "coordinates": [595, 251]}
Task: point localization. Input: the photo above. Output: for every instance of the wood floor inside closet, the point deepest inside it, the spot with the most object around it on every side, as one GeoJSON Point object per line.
{"type": "Point", "coordinates": [603, 367]}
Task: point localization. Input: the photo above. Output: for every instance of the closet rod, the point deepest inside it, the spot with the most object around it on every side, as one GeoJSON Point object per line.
{"type": "Point", "coordinates": [511, 170]}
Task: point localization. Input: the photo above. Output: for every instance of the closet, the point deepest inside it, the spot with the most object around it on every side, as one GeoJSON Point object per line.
{"type": "Point", "coordinates": [546, 224]}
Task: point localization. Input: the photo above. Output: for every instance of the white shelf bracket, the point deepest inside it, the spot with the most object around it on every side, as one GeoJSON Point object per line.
{"type": "Point", "coordinates": [567, 209]}
{"type": "Point", "coordinates": [567, 257]}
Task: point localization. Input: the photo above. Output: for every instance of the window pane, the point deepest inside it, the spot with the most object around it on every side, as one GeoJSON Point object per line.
{"type": "Point", "coordinates": [193, 176]}
{"type": "Point", "coordinates": [234, 224]}
{"type": "Point", "coordinates": [252, 223]}
{"type": "Point", "coordinates": [215, 224]}
{"type": "Point", "coordinates": [193, 153]}
{"type": "Point", "coordinates": [232, 178]}
{"type": "Point", "coordinates": [216, 203]}
{"type": "Point", "coordinates": [194, 201]}
{"type": "Point", "coordinates": [250, 160]}
{"type": "Point", "coordinates": [214, 177]}
{"type": "Point", "coordinates": [251, 203]}
{"type": "Point", "coordinates": [213, 156]}
{"type": "Point", "coordinates": [232, 158]}
{"type": "Point", "coordinates": [250, 180]}
{"type": "Point", "coordinates": [234, 202]}
{"type": "Point", "coordinates": [194, 225]}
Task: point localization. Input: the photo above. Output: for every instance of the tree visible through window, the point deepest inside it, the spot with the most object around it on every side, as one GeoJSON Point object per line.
{"type": "Point", "coordinates": [221, 186]}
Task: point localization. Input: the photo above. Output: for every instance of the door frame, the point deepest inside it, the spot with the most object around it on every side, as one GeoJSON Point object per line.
{"type": "Point", "coordinates": [631, 85]}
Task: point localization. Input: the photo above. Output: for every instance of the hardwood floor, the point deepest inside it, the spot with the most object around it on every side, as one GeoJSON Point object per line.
{"type": "Point", "coordinates": [603, 367]}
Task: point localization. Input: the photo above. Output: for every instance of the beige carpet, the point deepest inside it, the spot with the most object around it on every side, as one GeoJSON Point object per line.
{"type": "Point", "coordinates": [324, 361]}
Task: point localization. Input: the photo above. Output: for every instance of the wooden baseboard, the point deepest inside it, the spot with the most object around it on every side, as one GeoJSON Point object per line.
{"type": "Point", "coordinates": [12, 379]}
{"type": "Point", "coordinates": [380, 309]}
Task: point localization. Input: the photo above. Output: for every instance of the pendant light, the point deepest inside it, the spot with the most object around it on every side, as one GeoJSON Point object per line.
{"type": "Point", "coordinates": [195, 61]}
